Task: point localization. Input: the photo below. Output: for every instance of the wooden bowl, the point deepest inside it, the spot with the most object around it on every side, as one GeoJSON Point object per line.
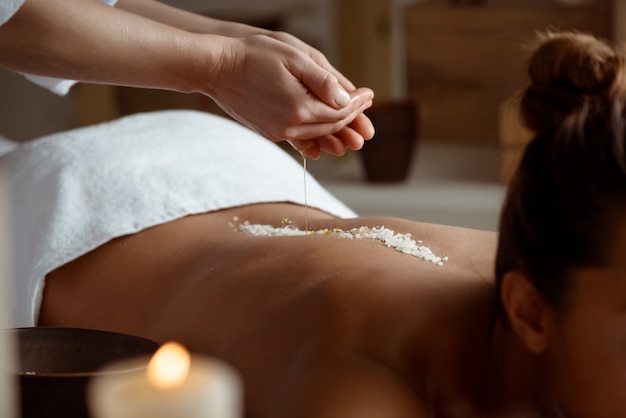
{"type": "Point", "coordinates": [55, 365]}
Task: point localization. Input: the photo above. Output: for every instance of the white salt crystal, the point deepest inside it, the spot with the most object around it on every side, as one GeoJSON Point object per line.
{"type": "Point", "coordinates": [400, 242]}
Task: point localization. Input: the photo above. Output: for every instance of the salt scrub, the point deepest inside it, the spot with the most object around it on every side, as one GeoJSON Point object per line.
{"type": "Point", "coordinates": [400, 242]}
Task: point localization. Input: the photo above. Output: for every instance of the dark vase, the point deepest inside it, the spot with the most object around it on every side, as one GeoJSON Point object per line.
{"type": "Point", "coordinates": [388, 156]}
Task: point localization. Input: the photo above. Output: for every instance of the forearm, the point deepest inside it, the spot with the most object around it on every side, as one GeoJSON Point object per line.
{"type": "Point", "coordinates": [275, 84]}
{"type": "Point", "coordinates": [185, 20]}
{"type": "Point", "coordinates": [88, 41]}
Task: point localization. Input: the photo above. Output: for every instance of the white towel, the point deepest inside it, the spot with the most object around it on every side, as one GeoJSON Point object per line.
{"type": "Point", "coordinates": [73, 191]}
{"type": "Point", "coordinates": [8, 9]}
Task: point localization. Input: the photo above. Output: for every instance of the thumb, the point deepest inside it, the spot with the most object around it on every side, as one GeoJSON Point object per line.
{"type": "Point", "coordinates": [324, 85]}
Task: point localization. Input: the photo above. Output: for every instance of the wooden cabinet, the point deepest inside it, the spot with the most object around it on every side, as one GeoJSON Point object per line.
{"type": "Point", "coordinates": [465, 61]}
{"type": "Point", "coordinates": [364, 38]}
{"type": "Point", "coordinates": [461, 62]}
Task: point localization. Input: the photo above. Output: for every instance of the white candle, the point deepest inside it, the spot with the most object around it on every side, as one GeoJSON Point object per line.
{"type": "Point", "coordinates": [8, 388]}
{"type": "Point", "coordinates": [172, 384]}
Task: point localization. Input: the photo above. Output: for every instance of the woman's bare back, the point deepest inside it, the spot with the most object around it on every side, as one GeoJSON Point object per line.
{"type": "Point", "coordinates": [317, 325]}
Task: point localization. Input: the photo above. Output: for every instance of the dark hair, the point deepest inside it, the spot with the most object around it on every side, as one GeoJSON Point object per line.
{"type": "Point", "coordinates": [569, 192]}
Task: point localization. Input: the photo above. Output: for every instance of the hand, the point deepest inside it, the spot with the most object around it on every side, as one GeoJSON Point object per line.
{"type": "Point", "coordinates": [315, 55]}
{"type": "Point", "coordinates": [350, 137]}
{"type": "Point", "coordinates": [295, 98]}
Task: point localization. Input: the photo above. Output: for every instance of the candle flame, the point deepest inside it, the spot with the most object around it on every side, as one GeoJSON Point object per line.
{"type": "Point", "coordinates": [169, 366]}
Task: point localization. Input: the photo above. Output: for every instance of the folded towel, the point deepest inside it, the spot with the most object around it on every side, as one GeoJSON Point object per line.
{"type": "Point", "coordinates": [74, 191]}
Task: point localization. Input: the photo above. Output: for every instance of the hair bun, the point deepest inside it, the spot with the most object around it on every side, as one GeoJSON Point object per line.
{"type": "Point", "coordinates": [567, 71]}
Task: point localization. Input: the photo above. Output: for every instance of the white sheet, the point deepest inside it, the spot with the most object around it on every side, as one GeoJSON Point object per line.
{"type": "Point", "coordinates": [73, 191]}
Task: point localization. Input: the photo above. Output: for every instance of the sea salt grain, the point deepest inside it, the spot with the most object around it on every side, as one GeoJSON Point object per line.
{"type": "Point", "coordinates": [400, 242]}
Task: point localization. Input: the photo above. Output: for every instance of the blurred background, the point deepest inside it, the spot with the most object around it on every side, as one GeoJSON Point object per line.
{"type": "Point", "coordinates": [453, 65]}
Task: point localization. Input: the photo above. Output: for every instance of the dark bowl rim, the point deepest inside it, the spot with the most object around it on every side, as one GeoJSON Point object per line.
{"type": "Point", "coordinates": [26, 375]}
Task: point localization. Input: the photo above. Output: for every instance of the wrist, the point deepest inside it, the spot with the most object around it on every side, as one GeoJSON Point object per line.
{"type": "Point", "coordinates": [202, 62]}
{"type": "Point", "coordinates": [217, 63]}
{"type": "Point", "coordinates": [239, 30]}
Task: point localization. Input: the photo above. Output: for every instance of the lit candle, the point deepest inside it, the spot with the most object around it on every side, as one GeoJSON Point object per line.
{"type": "Point", "coordinates": [172, 384]}
{"type": "Point", "coordinates": [8, 385]}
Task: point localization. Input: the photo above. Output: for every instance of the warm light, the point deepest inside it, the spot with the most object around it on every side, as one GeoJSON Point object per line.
{"type": "Point", "coordinates": [169, 366]}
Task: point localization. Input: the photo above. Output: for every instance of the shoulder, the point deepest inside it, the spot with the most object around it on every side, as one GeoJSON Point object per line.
{"type": "Point", "coordinates": [338, 387]}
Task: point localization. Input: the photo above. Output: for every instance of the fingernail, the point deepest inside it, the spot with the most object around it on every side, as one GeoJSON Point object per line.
{"type": "Point", "coordinates": [342, 98]}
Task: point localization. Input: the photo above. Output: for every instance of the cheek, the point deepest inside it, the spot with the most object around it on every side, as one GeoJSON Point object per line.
{"type": "Point", "coordinates": [588, 370]}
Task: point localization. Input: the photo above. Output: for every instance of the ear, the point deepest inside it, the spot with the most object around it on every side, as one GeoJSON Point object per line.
{"type": "Point", "coordinates": [528, 312]}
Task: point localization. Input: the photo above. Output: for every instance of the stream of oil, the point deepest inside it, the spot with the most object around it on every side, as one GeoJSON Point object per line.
{"type": "Point", "coordinates": [306, 204]}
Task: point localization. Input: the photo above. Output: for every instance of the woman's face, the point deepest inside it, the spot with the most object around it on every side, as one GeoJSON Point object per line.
{"type": "Point", "coordinates": [588, 345]}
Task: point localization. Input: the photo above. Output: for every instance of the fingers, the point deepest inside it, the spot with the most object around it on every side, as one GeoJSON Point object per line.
{"type": "Point", "coordinates": [322, 83]}
{"type": "Point", "coordinates": [308, 147]}
{"type": "Point", "coordinates": [312, 118]}
{"type": "Point", "coordinates": [325, 86]}
{"type": "Point", "coordinates": [343, 80]}
{"type": "Point", "coordinates": [315, 127]}
{"type": "Point", "coordinates": [334, 144]}
{"type": "Point", "coordinates": [363, 125]}
{"type": "Point", "coordinates": [322, 61]}
{"type": "Point", "coordinates": [350, 138]}
{"type": "Point", "coordinates": [317, 56]}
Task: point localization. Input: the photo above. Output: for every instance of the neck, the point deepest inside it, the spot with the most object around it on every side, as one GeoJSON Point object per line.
{"type": "Point", "coordinates": [520, 383]}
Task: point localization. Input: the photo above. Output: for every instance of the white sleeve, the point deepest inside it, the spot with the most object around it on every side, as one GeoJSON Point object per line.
{"type": "Point", "coordinates": [56, 85]}
{"type": "Point", "coordinates": [8, 9]}
{"type": "Point", "coordinates": [6, 145]}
